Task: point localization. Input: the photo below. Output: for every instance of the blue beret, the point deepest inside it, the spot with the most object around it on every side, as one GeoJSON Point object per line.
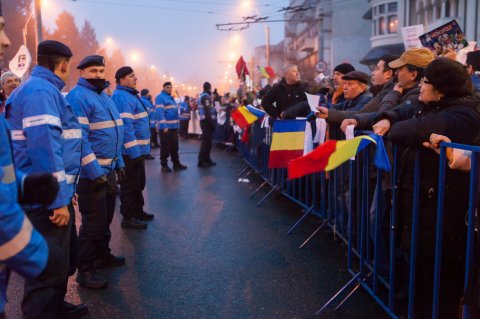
{"type": "Point", "coordinates": [91, 60]}
{"type": "Point", "coordinates": [54, 48]}
{"type": "Point", "coordinates": [123, 71]}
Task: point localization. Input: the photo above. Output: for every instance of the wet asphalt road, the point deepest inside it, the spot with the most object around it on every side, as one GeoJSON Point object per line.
{"type": "Point", "coordinates": [211, 253]}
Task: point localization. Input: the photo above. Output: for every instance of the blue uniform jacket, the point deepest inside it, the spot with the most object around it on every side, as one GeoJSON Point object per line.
{"type": "Point", "coordinates": [22, 248]}
{"type": "Point", "coordinates": [136, 140]}
{"type": "Point", "coordinates": [46, 136]}
{"type": "Point", "coordinates": [102, 130]}
{"type": "Point", "coordinates": [166, 111]}
{"type": "Point", "coordinates": [206, 111]}
{"type": "Point", "coordinates": [151, 110]}
{"type": "Point", "coordinates": [184, 111]}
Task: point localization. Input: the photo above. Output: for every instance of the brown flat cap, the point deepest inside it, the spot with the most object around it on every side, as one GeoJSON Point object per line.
{"type": "Point", "coordinates": [357, 75]}
{"type": "Point", "coordinates": [419, 57]}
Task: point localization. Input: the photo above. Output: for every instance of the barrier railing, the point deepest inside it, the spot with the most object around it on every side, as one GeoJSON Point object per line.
{"type": "Point", "coordinates": [360, 204]}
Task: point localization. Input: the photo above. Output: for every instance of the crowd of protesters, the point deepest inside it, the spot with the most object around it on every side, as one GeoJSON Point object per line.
{"type": "Point", "coordinates": [84, 149]}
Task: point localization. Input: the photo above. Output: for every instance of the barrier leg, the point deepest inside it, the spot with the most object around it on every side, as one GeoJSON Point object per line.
{"type": "Point", "coordinates": [338, 293]}
{"type": "Point", "coordinates": [300, 220]}
{"type": "Point", "coordinates": [244, 167]}
{"type": "Point", "coordinates": [313, 234]}
{"type": "Point", "coordinates": [266, 196]}
{"type": "Point", "coordinates": [258, 189]}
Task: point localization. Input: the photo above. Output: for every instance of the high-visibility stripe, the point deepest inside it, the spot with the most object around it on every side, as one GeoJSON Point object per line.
{"type": "Point", "coordinates": [171, 106]}
{"type": "Point", "coordinates": [131, 144]}
{"type": "Point", "coordinates": [171, 121]}
{"type": "Point", "coordinates": [162, 121]}
{"type": "Point", "coordinates": [82, 120]}
{"type": "Point", "coordinates": [105, 161]}
{"type": "Point", "coordinates": [102, 125]}
{"type": "Point", "coordinates": [60, 176]}
{"type": "Point", "coordinates": [143, 142]}
{"type": "Point", "coordinates": [119, 122]}
{"type": "Point", "coordinates": [88, 159]}
{"type": "Point", "coordinates": [159, 106]}
{"type": "Point", "coordinates": [71, 179]}
{"type": "Point", "coordinates": [18, 242]}
{"type": "Point", "coordinates": [17, 135]}
{"type": "Point", "coordinates": [126, 115]}
{"type": "Point", "coordinates": [8, 174]}
{"type": "Point", "coordinates": [41, 120]}
{"type": "Point", "coordinates": [140, 115]}
{"type": "Point", "coordinates": [71, 134]}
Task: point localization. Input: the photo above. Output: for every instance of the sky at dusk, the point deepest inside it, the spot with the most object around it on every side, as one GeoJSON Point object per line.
{"type": "Point", "coordinates": [178, 37]}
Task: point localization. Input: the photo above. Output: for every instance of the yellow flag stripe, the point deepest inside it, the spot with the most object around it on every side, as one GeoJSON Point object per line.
{"type": "Point", "coordinates": [344, 150]}
{"type": "Point", "coordinates": [249, 117]}
{"type": "Point", "coordinates": [288, 141]}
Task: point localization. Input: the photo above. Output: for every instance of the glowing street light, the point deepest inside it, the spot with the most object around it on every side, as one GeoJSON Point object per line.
{"type": "Point", "coordinates": [152, 67]}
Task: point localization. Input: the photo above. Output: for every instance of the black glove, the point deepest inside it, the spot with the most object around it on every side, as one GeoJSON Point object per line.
{"type": "Point", "coordinates": [100, 180]}
{"type": "Point", "coordinates": [40, 188]}
{"type": "Point", "coordinates": [120, 174]}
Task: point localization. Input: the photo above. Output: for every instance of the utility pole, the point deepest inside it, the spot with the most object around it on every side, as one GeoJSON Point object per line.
{"type": "Point", "coordinates": [38, 24]}
{"type": "Point", "coordinates": [267, 47]}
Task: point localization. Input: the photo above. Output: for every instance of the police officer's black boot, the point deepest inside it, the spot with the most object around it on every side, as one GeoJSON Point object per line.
{"type": "Point", "coordinates": [90, 278]}
{"type": "Point", "coordinates": [179, 166]}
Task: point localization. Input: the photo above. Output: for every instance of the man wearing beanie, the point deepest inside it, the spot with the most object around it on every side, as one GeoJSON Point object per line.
{"type": "Point", "coordinates": [473, 67]}
{"type": "Point", "coordinates": [102, 163]}
{"type": "Point", "coordinates": [46, 137]}
{"type": "Point", "coordinates": [166, 115]}
{"type": "Point", "coordinates": [338, 72]}
{"type": "Point", "coordinates": [136, 146]}
{"type": "Point", "coordinates": [285, 94]}
{"type": "Point", "coordinates": [207, 114]}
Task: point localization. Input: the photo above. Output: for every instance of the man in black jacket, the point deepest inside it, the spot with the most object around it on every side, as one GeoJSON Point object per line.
{"type": "Point", "coordinates": [288, 92]}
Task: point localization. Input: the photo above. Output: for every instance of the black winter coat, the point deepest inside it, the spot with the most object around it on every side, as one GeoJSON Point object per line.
{"type": "Point", "coordinates": [284, 96]}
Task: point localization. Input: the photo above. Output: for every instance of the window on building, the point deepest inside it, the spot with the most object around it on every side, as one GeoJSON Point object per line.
{"type": "Point", "coordinates": [385, 18]}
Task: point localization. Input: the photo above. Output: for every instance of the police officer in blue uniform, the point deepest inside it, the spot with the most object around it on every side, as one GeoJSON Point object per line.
{"type": "Point", "coordinates": [46, 138]}
{"type": "Point", "coordinates": [147, 100]}
{"type": "Point", "coordinates": [184, 116]}
{"type": "Point", "coordinates": [102, 163]}
{"type": "Point", "coordinates": [136, 146]}
{"type": "Point", "coordinates": [207, 115]}
{"type": "Point", "coordinates": [166, 115]}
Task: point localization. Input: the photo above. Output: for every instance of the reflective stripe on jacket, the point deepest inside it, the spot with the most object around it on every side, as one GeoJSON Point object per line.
{"type": "Point", "coordinates": [166, 111]}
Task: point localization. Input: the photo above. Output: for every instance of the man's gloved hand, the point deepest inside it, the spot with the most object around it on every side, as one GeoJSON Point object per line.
{"type": "Point", "coordinates": [40, 188]}
{"type": "Point", "coordinates": [100, 180]}
{"type": "Point", "coordinates": [120, 174]}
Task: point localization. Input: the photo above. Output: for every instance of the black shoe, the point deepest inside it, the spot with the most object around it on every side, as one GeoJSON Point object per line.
{"type": "Point", "coordinates": [203, 164]}
{"type": "Point", "coordinates": [110, 261]}
{"type": "Point", "coordinates": [71, 311]}
{"type": "Point", "coordinates": [166, 169]}
{"type": "Point", "coordinates": [145, 217]}
{"type": "Point", "coordinates": [149, 157]}
{"type": "Point", "coordinates": [179, 166]}
{"type": "Point", "coordinates": [211, 163]}
{"type": "Point", "coordinates": [133, 224]}
{"type": "Point", "coordinates": [91, 279]}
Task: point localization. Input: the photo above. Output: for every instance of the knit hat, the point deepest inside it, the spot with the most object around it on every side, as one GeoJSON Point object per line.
{"type": "Point", "coordinates": [419, 57]}
{"type": "Point", "coordinates": [123, 71]}
{"type": "Point", "coordinates": [449, 77]}
{"type": "Point", "coordinates": [344, 68]}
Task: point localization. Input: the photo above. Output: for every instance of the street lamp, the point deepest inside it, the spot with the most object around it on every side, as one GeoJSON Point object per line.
{"type": "Point", "coordinates": [25, 29]}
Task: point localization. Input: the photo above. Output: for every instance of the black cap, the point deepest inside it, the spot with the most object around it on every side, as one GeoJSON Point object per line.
{"type": "Point", "coordinates": [144, 92]}
{"type": "Point", "coordinates": [52, 48]}
{"type": "Point", "coordinates": [207, 86]}
{"type": "Point", "coordinates": [1, 14]}
{"type": "Point", "coordinates": [344, 68]}
{"type": "Point", "coordinates": [91, 60]}
{"type": "Point", "coordinates": [167, 83]}
{"type": "Point", "coordinates": [357, 75]}
{"type": "Point", "coordinates": [123, 71]}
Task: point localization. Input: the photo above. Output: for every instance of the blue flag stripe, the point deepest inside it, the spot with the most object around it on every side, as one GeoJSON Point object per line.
{"type": "Point", "coordinates": [284, 126]}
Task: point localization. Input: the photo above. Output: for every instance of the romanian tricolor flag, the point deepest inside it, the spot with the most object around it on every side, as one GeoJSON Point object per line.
{"type": "Point", "coordinates": [288, 140]}
{"type": "Point", "coordinates": [332, 154]}
{"type": "Point", "coordinates": [246, 115]}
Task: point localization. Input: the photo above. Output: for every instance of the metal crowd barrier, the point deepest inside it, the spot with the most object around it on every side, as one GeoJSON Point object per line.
{"type": "Point", "coordinates": [359, 203]}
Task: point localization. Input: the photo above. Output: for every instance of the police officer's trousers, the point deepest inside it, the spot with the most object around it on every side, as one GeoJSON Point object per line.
{"type": "Point", "coordinates": [97, 205]}
{"type": "Point", "coordinates": [131, 197]}
{"type": "Point", "coordinates": [184, 128]}
{"type": "Point", "coordinates": [206, 146]}
{"type": "Point", "coordinates": [43, 296]}
{"type": "Point", "coordinates": [169, 147]}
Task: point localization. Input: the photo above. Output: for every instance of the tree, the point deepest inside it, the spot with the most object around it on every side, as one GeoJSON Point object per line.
{"type": "Point", "coordinates": [88, 39]}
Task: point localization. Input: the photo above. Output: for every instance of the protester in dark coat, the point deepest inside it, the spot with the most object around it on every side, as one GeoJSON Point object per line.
{"type": "Point", "coordinates": [288, 92]}
{"type": "Point", "coordinates": [448, 108]}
